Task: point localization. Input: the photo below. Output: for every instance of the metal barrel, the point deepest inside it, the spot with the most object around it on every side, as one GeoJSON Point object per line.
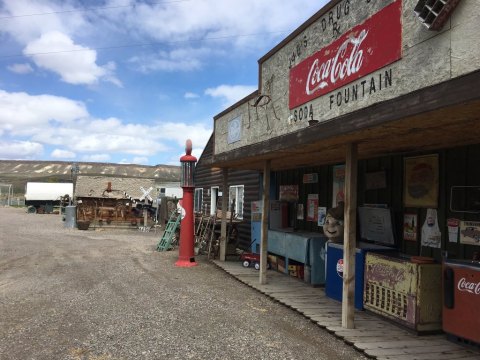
{"type": "Point", "coordinates": [70, 217]}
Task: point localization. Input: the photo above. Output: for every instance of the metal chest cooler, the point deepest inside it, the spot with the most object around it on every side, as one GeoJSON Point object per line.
{"type": "Point", "coordinates": [404, 289]}
{"type": "Point", "coordinates": [334, 283]}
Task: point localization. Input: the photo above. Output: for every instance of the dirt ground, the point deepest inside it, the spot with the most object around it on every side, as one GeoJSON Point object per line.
{"type": "Point", "coordinates": [71, 294]}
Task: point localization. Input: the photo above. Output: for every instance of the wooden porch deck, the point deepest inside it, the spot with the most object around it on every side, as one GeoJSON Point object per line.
{"type": "Point", "coordinates": [375, 337]}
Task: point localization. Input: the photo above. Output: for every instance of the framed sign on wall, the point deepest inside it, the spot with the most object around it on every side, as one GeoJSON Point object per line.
{"type": "Point", "coordinates": [420, 186]}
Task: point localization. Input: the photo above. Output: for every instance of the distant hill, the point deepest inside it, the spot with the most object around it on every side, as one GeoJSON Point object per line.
{"type": "Point", "coordinates": [19, 172]}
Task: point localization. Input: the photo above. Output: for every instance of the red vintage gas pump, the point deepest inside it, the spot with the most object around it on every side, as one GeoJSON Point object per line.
{"type": "Point", "coordinates": [185, 251]}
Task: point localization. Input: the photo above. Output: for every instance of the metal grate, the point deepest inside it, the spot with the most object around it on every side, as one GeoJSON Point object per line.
{"type": "Point", "coordinates": [386, 300]}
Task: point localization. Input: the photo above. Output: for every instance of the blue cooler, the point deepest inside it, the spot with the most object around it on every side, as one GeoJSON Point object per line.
{"type": "Point", "coordinates": [334, 284]}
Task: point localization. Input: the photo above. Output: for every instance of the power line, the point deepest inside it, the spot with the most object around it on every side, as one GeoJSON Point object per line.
{"type": "Point", "coordinates": [141, 44]}
{"type": "Point", "coordinates": [90, 9]}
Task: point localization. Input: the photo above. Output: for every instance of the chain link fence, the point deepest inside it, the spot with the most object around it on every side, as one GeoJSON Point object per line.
{"type": "Point", "coordinates": [14, 201]}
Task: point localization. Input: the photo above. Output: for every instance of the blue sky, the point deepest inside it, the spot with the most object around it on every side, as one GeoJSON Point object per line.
{"type": "Point", "coordinates": [128, 81]}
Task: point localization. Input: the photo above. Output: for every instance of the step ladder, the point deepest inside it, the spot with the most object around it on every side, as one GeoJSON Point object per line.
{"type": "Point", "coordinates": [165, 242]}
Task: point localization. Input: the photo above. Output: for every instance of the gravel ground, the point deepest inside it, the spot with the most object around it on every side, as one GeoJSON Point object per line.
{"type": "Point", "coordinates": [97, 295]}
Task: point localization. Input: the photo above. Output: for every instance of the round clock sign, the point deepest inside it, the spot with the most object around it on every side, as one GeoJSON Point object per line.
{"type": "Point", "coordinates": [234, 129]}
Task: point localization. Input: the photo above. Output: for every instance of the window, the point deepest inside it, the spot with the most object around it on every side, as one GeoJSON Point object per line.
{"type": "Point", "coordinates": [236, 194]}
{"type": "Point", "coordinates": [213, 200]}
{"type": "Point", "coordinates": [198, 201]}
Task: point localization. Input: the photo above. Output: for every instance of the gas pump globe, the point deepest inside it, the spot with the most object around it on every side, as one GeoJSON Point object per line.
{"type": "Point", "coordinates": [188, 167]}
{"type": "Point", "coordinates": [186, 248]}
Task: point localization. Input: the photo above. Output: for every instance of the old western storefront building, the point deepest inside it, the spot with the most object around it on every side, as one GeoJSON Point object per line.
{"type": "Point", "coordinates": [242, 186]}
{"type": "Point", "coordinates": [386, 94]}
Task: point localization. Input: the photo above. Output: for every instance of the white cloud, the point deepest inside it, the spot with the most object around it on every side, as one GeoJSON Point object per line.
{"type": "Point", "coordinates": [175, 159]}
{"type": "Point", "coordinates": [191, 95]}
{"type": "Point", "coordinates": [75, 64]}
{"type": "Point", "coordinates": [140, 160]}
{"type": "Point", "coordinates": [20, 68]}
{"type": "Point", "coordinates": [230, 94]}
{"type": "Point", "coordinates": [197, 152]}
{"type": "Point", "coordinates": [66, 124]}
{"type": "Point", "coordinates": [62, 154]}
{"type": "Point", "coordinates": [24, 114]}
{"type": "Point", "coordinates": [216, 26]}
{"type": "Point", "coordinates": [115, 143]}
{"type": "Point", "coordinates": [24, 28]}
{"type": "Point", "coordinates": [219, 26]}
{"type": "Point", "coordinates": [20, 150]}
{"type": "Point", "coordinates": [96, 158]}
{"type": "Point", "coordinates": [48, 39]}
{"type": "Point", "coordinates": [185, 37]}
{"type": "Point", "coordinates": [183, 59]}
{"type": "Point", "coordinates": [214, 19]}
{"type": "Point", "coordinates": [180, 132]}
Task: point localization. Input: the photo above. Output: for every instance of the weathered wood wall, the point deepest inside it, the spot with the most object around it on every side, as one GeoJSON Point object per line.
{"type": "Point", "coordinates": [207, 177]}
{"type": "Point", "coordinates": [457, 166]}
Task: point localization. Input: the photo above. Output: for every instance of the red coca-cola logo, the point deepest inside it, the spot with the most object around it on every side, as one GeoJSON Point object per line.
{"type": "Point", "coordinates": [347, 61]}
{"type": "Point", "coordinates": [363, 49]}
{"type": "Point", "coordinates": [470, 287]}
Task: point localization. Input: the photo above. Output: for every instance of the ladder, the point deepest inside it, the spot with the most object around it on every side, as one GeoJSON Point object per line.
{"type": "Point", "coordinates": [165, 242]}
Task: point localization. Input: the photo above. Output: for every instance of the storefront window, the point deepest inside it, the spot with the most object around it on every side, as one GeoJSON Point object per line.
{"type": "Point", "coordinates": [236, 194]}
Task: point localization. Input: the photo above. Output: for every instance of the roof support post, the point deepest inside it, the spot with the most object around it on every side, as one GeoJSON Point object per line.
{"type": "Point", "coordinates": [349, 239]}
{"type": "Point", "coordinates": [223, 226]}
{"type": "Point", "coordinates": [264, 231]}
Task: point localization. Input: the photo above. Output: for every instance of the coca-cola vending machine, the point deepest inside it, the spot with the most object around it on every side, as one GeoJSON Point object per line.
{"type": "Point", "coordinates": [461, 302]}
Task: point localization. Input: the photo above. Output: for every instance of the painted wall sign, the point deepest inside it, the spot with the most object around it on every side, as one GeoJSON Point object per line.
{"type": "Point", "coordinates": [364, 49]}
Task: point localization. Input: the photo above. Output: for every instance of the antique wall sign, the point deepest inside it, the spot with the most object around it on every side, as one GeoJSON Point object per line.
{"type": "Point", "coordinates": [364, 49]}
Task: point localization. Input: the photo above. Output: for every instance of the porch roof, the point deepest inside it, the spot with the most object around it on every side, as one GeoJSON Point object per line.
{"type": "Point", "coordinates": [440, 116]}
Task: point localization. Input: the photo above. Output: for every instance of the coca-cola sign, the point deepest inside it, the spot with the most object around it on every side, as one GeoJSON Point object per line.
{"type": "Point", "coordinates": [365, 48]}
{"type": "Point", "coordinates": [470, 287]}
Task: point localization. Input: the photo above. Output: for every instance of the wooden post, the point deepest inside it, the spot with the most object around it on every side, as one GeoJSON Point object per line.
{"type": "Point", "coordinates": [163, 212]}
{"type": "Point", "coordinates": [264, 231]}
{"type": "Point", "coordinates": [145, 219]}
{"type": "Point", "coordinates": [223, 227]}
{"type": "Point", "coordinates": [349, 240]}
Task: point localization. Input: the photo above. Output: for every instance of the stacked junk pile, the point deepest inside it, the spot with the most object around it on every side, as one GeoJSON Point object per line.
{"type": "Point", "coordinates": [118, 206]}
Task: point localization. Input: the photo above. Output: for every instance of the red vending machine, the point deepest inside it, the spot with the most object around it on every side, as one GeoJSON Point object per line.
{"type": "Point", "coordinates": [461, 303]}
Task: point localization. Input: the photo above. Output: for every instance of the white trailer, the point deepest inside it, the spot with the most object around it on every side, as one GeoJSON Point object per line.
{"type": "Point", "coordinates": [42, 197]}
